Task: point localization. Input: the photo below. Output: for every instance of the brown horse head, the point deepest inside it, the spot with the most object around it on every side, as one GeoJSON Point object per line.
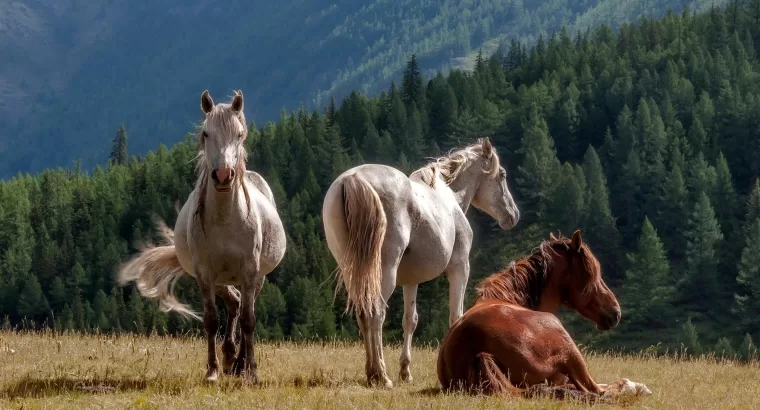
{"type": "Point", "coordinates": [582, 288]}
{"type": "Point", "coordinates": [560, 271]}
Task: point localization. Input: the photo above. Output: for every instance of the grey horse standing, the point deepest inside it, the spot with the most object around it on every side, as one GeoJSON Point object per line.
{"type": "Point", "coordinates": [386, 229]}
{"type": "Point", "coordinates": [227, 233]}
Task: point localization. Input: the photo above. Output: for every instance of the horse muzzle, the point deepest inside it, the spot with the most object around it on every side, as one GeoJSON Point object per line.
{"type": "Point", "coordinates": [609, 319]}
{"type": "Point", "coordinates": [223, 177]}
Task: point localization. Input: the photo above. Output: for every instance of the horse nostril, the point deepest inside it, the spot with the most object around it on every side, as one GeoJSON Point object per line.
{"type": "Point", "coordinates": [232, 174]}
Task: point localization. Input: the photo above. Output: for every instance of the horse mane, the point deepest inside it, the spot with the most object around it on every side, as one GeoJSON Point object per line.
{"type": "Point", "coordinates": [523, 281]}
{"type": "Point", "coordinates": [220, 114]}
{"type": "Point", "coordinates": [450, 166]}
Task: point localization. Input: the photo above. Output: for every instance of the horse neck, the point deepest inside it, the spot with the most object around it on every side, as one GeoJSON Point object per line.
{"type": "Point", "coordinates": [222, 206]}
{"type": "Point", "coordinates": [465, 186]}
{"type": "Point", "coordinates": [531, 282]}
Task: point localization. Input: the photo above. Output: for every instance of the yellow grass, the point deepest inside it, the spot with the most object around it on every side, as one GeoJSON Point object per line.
{"type": "Point", "coordinates": [74, 371]}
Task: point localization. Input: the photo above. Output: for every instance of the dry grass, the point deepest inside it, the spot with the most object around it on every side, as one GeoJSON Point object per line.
{"type": "Point", "coordinates": [74, 371]}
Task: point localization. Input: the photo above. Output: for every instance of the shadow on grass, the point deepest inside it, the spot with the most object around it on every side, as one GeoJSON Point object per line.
{"type": "Point", "coordinates": [30, 387]}
{"type": "Point", "coordinates": [429, 392]}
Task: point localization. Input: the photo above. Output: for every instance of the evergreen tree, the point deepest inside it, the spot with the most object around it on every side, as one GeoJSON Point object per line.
{"type": "Point", "coordinates": [119, 149]}
{"type": "Point", "coordinates": [748, 299]}
{"type": "Point", "coordinates": [412, 83]}
{"type": "Point", "coordinates": [538, 173]}
{"type": "Point", "coordinates": [703, 238]}
{"type": "Point", "coordinates": [599, 225]}
{"type": "Point", "coordinates": [649, 293]}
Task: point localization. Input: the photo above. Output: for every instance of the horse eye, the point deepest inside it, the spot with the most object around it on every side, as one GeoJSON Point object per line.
{"type": "Point", "coordinates": [240, 135]}
{"type": "Point", "coordinates": [205, 135]}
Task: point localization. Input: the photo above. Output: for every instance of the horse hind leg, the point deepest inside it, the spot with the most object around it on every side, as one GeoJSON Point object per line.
{"type": "Point", "coordinates": [231, 297]}
{"type": "Point", "coordinates": [373, 324]}
{"type": "Point", "coordinates": [410, 324]}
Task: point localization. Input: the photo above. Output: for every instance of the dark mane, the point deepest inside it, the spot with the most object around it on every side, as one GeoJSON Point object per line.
{"type": "Point", "coordinates": [523, 281]}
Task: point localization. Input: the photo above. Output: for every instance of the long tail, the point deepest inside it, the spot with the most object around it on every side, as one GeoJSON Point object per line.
{"type": "Point", "coordinates": [361, 263]}
{"type": "Point", "coordinates": [155, 270]}
{"type": "Point", "coordinates": [486, 377]}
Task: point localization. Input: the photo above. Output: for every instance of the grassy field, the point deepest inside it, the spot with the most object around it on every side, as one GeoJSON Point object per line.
{"type": "Point", "coordinates": [74, 371]}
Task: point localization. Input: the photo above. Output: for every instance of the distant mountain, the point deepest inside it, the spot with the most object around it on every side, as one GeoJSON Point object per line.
{"type": "Point", "coordinates": [74, 70]}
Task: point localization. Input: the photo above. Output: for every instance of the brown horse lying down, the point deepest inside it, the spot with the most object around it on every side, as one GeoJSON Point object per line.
{"type": "Point", "coordinates": [510, 342]}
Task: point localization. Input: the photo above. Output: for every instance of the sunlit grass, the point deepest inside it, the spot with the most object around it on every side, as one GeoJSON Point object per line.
{"type": "Point", "coordinates": [87, 371]}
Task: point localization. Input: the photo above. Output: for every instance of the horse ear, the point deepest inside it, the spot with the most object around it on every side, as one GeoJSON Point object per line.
{"type": "Point", "coordinates": [487, 147]}
{"type": "Point", "coordinates": [552, 237]}
{"type": "Point", "coordinates": [237, 101]}
{"type": "Point", "coordinates": [577, 241]}
{"type": "Point", "coordinates": [207, 104]}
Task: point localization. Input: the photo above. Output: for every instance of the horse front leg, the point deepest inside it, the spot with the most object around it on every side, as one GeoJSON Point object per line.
{"type": "Point", "coordinates": [577, 372]}
{"type": "Point", "coordinates": [246, 361]}
{"type": "Point", "coordinates": [210, 323]}
{"type": "Point", "coordinates": [457, 273]}
{"type": "Point", "coordinates": [410, 324]}
{"type": "Point", "coordinates": [231, 297]}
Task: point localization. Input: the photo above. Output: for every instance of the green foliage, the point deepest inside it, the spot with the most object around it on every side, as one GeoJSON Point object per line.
{"type": "Point", "coordinates": [648, 288]}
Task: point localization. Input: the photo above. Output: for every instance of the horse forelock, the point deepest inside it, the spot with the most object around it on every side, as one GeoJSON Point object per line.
{"type": "Point", "coordinates": [222, 118]}
{"type": "Point", "coordinates": [450, 166]}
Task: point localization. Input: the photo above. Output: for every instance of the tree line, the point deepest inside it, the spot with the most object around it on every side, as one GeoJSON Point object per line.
{"type": "Point", "coordinates": [646, 139]}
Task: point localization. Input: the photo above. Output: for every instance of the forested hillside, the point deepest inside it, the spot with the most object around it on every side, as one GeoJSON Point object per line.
{"type": "Point", "coordinates": [74, 70]}
{"type": "Point", "coordinates": [648, 140]}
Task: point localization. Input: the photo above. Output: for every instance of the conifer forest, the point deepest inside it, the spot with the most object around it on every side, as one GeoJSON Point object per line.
{"type": "Point", "coordinates": [646, 138]}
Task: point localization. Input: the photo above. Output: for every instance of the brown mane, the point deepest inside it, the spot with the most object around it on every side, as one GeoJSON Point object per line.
{"type": "Point", "coordinates": [523, 281]}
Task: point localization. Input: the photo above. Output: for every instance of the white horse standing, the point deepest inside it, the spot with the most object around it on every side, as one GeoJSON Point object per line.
{"type": "Point", "coordinates": [384, 228]}
{"type": "Point", "coordinates": [228, 233]}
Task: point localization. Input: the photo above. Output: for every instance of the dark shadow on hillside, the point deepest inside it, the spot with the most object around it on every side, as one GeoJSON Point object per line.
{"type": "Point", "coordinates": [30, 387]}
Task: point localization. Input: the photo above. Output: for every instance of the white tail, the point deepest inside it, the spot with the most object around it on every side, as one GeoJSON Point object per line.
{"type": "Point", "coordinates": [361, 266]}
{"type": "Point", "coordinates": [156, 270]}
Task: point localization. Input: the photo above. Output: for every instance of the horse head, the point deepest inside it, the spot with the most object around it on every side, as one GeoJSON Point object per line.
{"type": "Point", "coordinates": [492, 195]}
{"type": "Point", "coordinates": [222, 141]}
{"type": "Point", "coordinates": [583, 289]}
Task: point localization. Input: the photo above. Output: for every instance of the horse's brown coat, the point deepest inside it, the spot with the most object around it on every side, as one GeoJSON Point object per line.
{"type": "Point", "coordinates": [510, 339]}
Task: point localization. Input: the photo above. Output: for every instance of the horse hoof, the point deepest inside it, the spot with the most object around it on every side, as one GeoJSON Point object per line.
{"type": "Point", "coordinates": [405, 376]}
{"type": "Point", "coordinates": [212, 376]}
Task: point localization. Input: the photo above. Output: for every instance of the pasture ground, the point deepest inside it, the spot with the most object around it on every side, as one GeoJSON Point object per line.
{"type": "Point", "coordinates": [45, 371]}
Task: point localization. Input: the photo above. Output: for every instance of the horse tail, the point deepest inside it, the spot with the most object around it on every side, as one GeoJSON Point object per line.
{"type": "Point", "coordinates": [155, 270]}
{"type": "Point", "coordinates": [486, 376]}
{"type": "Point", "coordinates": [361, 266]}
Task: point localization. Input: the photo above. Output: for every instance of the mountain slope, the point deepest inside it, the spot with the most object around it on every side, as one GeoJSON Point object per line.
{"type": "Point", "coordinates": [80, 68]}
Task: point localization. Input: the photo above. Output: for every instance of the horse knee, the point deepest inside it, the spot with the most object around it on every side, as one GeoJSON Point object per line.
{"type": "Point", "coordinates": [410, 322]}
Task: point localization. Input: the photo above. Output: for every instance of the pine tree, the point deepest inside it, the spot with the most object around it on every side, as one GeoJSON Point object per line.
{"type": "Point", "coordinates": [648, 291]}
{"type": "Point", "coordinates": [598, 223]}
{"type": "Point", "coordinates": [689, 339]}
{"type": "Point", "coordinates": [538, 173]}
{"type": "Point", "coordinates": [412, 83]}
{"type": "Point", "coordinates": [31, 302]}
{"type": "Point", "coordinates": [748, 351]}
{"type": "Point", "coordinates": [568, 199]}
{"type": "Point", "coordinates": [723, 349]}
{"type": "Point", "coordinates": [703, 239]}
{"type": "Point", "coordinates": [748, 301]}
{"type": "Point", "coordinates": [119, 149]}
